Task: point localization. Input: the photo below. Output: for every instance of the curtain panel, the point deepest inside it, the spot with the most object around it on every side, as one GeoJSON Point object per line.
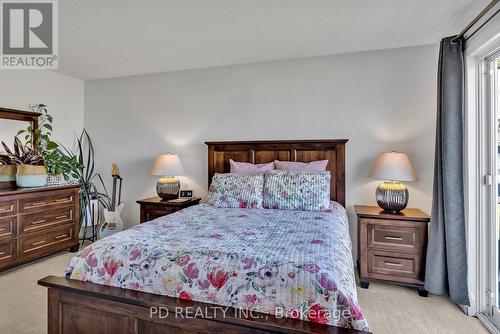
{"type": "Point", "coordinates": [446, 267]}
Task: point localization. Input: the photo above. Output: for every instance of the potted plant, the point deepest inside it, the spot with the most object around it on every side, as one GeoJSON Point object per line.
{"type": "Point", "coordinates": [31, 171]}
{"type": "Point", "coordinates": [90, 181]}
{"type": "Point", "coordinates": [59, 165]}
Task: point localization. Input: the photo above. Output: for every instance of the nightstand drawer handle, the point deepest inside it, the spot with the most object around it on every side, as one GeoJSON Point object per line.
{"type": "Point", "coordinates": [3, 229]}
{"type": "Point", "coordinates": [397, 264]}
{"type": "Point", "coordinates": [2, 253]}
{"type": "Point", "coordinates": [61, 236]}
{"type": "Point", "coordinates": [388, 237]}
{"type": "Point", "coordinates": [38, 243]}
{"type": "Point", "coordinates": [38, 204]}
{"type": "Point", "coordinates": [61, 217]}
{"type": "Point", "coordinates": [4, 210]}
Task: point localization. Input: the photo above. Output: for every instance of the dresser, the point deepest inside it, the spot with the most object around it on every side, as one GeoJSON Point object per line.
{"type": "Point", "coordinates": [36, 222]}
{"type": "Point", "coordinates": [155, 207]}
{"type": "Point", "coordinates": [392, 247]}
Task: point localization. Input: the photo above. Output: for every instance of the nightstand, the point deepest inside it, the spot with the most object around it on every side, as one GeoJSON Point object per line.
{"type": "Point", "coordinates": [154, 207]}
{"type": "Point", "coordinates": [392, 247]}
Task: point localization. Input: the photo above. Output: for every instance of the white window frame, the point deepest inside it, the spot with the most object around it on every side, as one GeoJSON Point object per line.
{"type": "Point", "coordinates": [482, 45]}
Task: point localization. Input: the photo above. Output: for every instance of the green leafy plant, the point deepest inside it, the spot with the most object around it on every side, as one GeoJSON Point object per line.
{"type": "Point", "coordinates": [92, 185]}
{"type": "Point", "coordinates": [21, 155]}
{"type": "Point", "coordinates": [56, 161]}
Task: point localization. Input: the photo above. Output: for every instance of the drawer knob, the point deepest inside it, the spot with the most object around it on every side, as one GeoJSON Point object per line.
{"type": "Point", "coordinates": [38, 222]}
{"type": "Point", "coordinates": [390, 263]}
{"type": "Point", "coordinates": [388, 237]}
{"type": "Point", "coordinates": [38, 243]}
{"type": "Point", "coordinates": [61, 236]}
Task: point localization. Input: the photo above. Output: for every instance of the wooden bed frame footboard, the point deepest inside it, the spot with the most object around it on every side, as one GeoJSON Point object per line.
{"type": "Point", "coordinates": [88, 308]}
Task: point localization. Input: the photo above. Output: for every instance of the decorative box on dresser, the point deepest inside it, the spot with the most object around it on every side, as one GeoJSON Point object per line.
{"type": "Point", "coordinates": [36, 222]}
{"type": "Point", "coordinates": [392, 247]}
{"type": "Point", "coordinates": [155, 207]}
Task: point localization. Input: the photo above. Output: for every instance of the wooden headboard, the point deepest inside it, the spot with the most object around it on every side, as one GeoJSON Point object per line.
{"type": "Point", "coordinates": [257, 152]}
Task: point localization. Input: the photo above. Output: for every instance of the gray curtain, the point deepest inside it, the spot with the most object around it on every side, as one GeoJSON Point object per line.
{"type": "Point", "coordinates": [446, 271]}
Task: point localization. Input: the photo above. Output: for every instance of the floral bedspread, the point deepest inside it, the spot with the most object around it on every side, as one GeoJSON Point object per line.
{"type": "Point", "coordinates": [288, 263]}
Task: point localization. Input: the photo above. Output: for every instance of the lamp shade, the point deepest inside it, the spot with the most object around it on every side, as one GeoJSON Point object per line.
{"type": "Point", "coordinates": [394, 166]}
{"type": "Point", "coordinates": [167, 165]}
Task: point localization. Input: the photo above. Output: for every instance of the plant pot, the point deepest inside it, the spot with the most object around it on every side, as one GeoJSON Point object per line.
{"type": "Point", "coordinates": [29, 176]}
{"type": "Point", "coordinates": [8, 172]}
{"type": "Point", "coordinates": [93, 214]}
{"type": "Point", "coordinates": [54, 180]}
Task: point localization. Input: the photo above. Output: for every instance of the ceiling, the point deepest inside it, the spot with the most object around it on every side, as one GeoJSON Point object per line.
{"type": "Point", "coordinates": [112, 38]}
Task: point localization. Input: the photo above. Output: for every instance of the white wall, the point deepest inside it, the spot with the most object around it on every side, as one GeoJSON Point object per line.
{"type": "Point", "coordinates": [62, 94]}
{"type": "Point", "coordinates": [380, 101]}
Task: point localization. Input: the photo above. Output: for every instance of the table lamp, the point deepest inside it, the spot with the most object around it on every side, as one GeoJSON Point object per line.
{"type": "Point", "coordinates": [168, 166]}
{"type": "Point", "coordinates": [392, 195]}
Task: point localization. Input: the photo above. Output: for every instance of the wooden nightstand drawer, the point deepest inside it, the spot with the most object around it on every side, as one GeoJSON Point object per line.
{"type": "Point", "coordinates": [387, 263]}
{"type": "Point", "coordinates": [153, 212]}
{"type": "Point", "coordinates": [155, 207]}
{"type": "Point", "coordinates": [396, 235]}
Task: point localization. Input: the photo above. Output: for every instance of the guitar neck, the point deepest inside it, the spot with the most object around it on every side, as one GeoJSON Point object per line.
{"type": "Point", "coordinates": [113, 195]}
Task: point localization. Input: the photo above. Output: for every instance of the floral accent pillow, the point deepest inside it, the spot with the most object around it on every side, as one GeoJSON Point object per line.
{"type": "Point", "coordinates": [236, 191]}
{"type": "Point", "coordinates": [297, 190]}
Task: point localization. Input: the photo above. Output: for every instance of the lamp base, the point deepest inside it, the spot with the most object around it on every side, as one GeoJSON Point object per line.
{"type": "Point", "coordinates": [168, 188]}
{"type": "Point", "coordinates": [392, 196]}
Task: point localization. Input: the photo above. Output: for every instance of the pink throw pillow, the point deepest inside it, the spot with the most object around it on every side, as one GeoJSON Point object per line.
{"type": "Point", "coordinates": [250, 169]}
{"type": "Point", "coordinates": [316, 166]}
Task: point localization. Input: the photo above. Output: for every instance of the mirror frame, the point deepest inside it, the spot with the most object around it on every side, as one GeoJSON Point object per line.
{"type": "Point", "coordinates": [19, 115]}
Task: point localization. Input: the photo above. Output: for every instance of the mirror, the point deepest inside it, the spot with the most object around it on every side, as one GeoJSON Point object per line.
{"type": "Point", "coordinates": [11, 121]}
{"type": "Point", "coordinates": [8, 130]}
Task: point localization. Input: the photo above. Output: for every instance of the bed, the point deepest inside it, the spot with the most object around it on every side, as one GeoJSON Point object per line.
{"type": "Point", "coordinates": [207, 269]}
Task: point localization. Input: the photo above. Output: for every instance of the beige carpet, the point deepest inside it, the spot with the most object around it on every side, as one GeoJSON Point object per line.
{"type": "Point", "coordinates": [389, 309]}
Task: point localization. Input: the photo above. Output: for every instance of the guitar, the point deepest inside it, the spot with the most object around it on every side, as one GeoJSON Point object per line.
{"type": "Point", "coordinates": [112, 220]}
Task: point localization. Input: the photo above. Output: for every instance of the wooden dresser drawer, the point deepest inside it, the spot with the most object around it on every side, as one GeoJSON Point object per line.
{"type": "Point", "coordinates": [50, 239]}
{"type": "Point", "coordinates": [394, 264]}
{"type": "Point", "coordinates": [398, 237]}
{"type": "Point", "coordinates": [7, 252]}
{"type": "Point", "coordinates": [46, 219]}
{"type": "Point", "coordinates": [8, 228]}
{"type": "Point", "coordinates": [47, 200]}
{"type": "Point", "coordinates": [8, 208]}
